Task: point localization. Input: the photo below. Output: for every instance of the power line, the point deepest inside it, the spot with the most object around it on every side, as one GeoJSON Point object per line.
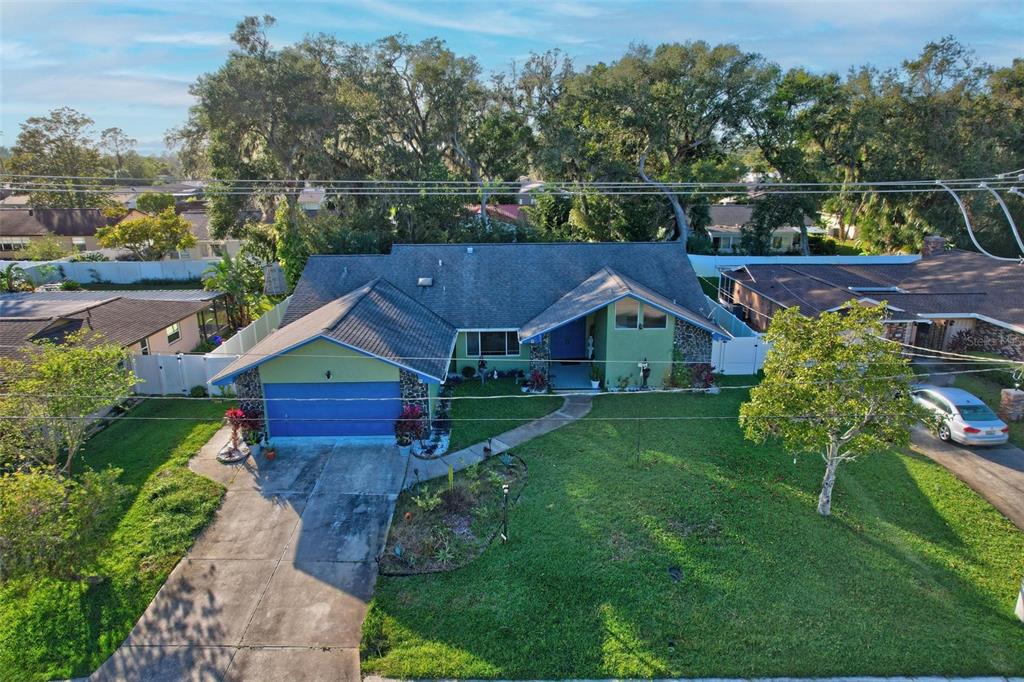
{"type": "Point", "coordinates": [512, 396]}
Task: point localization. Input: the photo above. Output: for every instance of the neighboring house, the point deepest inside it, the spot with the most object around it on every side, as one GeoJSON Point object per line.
{"type": "Point", "coordinates": [364, 334]}
{"type": "Point", "coordinates": [505, 213]}
{"type": "Point", "coordinates": [948, 297]}
{"type": "Point", "coordinates": [206, 246]}
{"type": "Point", "coordinates": [74, 228]}
{"type": "Point", "coordinates": [182, 192]}
{"type": "Point", "coordinates": [144, 322]}
{"type": "Point", "coordinates": [727, 221]}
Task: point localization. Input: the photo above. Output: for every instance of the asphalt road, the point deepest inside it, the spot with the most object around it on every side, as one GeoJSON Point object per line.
{"type": "Point", "coordinates": [996, 473]}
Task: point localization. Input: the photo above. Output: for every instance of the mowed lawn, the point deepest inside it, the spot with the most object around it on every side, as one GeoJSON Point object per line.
{"type": "Point", "coordinates": [708, 559]}
{"type": "Point", "coordinates": [55, 629]}
{"type": "Point", "coordinates": [474, 421]}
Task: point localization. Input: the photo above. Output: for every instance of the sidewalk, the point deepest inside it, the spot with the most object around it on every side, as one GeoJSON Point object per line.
{"type": "Point", "coordinates": [574, 407]}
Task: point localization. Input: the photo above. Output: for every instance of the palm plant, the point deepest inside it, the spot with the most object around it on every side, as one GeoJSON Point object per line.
{"type": "Point", "coordinates": [233, 277]}
{"type": "Point", "coordinates": [14, 278]}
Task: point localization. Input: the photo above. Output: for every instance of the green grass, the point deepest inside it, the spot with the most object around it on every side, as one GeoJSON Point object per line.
{"type": "Point", "coordinates": [54, 629]}
{"type": "Point", "coordinates": [914, 574]}
{"type": "Point", "coordinates": [989, 391]}
{"type": "Point", "coordinates": [508, 413]}
{"type": "Point", "coordinates": [709, 285]}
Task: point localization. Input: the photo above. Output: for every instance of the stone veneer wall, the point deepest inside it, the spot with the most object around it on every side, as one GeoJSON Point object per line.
{"type": "Point", "coordinates": [413, 391]}
{"type": "Point", "coordinates": [540, 357]}
{"type": "Point", "coordinates": [990, 338]}
{"type": "Point", "coordinates": [250, 392]}
{"type": "Point", "coordinates": [899, 331]}
{"type": "Point", "coordinates": [692, 343]}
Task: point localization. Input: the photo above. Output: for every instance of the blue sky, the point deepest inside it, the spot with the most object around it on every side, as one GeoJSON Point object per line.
{"type": "Point", "coordinates": [129, 64]}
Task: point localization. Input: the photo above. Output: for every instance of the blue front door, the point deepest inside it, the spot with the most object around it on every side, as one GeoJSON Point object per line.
{"type": "Point", "coordinates": [569, 342]}
{"type": "Point", "coordinates": [328, 409]}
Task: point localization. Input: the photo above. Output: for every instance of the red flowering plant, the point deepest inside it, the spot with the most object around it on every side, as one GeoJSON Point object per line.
{"type": "Point", "coordinates": [238, 420]}
{"type": "Point", "coordinates": [702, 375]}
{"type": "Point", "coordinates": [410, 425]}
{"type": "Point", "coordinates": [538, 382]}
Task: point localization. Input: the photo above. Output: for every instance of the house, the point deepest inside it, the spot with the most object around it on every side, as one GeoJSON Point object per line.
{"type": "Point", "coordinates": [74, 228]}
{"type": "Point", "coordinates": [364, 334]}
{"type": "Point", "coordinates": [948, 298]}
{"type": "Point", "coordinates": [503, 213]}
{"type": "Point", "coordinates": [727, 221]}
{"type": "Point", "coordinates": [206, 246]}
{"type": "Point", "coordinates": [144, 322]}
{"type": "Point", "coordinates": [183, 192]}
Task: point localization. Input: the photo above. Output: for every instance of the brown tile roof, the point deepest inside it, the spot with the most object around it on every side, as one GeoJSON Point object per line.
{"type": "Point", "coordinates": [953, 283]}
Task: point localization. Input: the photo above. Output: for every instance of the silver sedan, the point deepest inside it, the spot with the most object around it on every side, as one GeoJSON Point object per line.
{"type": "Point", "coordinates": [961, 416]}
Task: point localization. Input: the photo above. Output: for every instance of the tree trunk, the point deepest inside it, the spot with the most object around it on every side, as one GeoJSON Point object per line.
{"type": "Point", "coordinates": [831, 463]}
{"type": "Point", "coordinates": [682, 225]}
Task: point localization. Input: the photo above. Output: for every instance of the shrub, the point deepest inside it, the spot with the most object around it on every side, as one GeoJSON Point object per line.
{"type": "Point", "coordinates": [469, 372]}
{"type": "Point", "coordinates": [240, 421]}
{"type": "Point", "coordinates": [70, 285]}
{"type": "Point", "coordinates": [427, 500]}
{"type": "Point", "coordinates": [49, 525]}
{"type": "Point", "coordinates": [702, 375]}
{"type": "Point", "coordinates": [410, 425]}
{"type": "Point", "coordinates": [198, 391]}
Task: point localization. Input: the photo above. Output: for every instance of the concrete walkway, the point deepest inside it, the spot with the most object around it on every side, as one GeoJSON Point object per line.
{"type": "Point", "coordinates": [276, 587]}
{"type": "Point", "coordinates": [996, 473]}
{"type": "Point", "coordinates": [573, 407]}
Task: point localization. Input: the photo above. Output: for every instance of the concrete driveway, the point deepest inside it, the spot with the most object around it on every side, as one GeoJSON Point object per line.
{"type": "Point", "coordinates": [276, 587]}
{"type": "Point", "coordinates": [996, 473]}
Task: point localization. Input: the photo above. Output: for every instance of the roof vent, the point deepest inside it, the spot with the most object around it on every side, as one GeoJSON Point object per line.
{"type": "Point", "coordinates": [469, 249]}
{"type": "Point", "coordinates": [425, 282]}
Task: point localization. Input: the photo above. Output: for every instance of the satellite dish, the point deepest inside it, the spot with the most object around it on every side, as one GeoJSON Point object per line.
{"type": "Point", "coordinates": [274, 283]}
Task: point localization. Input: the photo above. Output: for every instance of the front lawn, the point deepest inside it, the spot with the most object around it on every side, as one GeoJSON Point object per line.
{"type": "Point", "coordinates": [983, 386]}
{"type": "Point", "coordinates": [707, 558]}
{"type": "Point", "coordinates": [474, 421]}
{"type": "Point", "coordinates": [56, 629]}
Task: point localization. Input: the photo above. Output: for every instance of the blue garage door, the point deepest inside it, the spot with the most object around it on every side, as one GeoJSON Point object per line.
{"type": "Point", "coordinates": [333, 417]}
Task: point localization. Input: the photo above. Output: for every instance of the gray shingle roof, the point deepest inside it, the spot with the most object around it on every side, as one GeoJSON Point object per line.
{"type": "Point", "coordinates": [597, 291]}
{"type": "Point", "coordinates": [65, 222]}
{"type": "Point", "coordinates": [497, 286]}
{"type": "Point", "coordinates": [376, 318]}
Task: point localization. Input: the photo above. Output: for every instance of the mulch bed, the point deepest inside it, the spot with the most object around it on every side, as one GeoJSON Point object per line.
{"type": "Point", "coordinates": [442, 525]}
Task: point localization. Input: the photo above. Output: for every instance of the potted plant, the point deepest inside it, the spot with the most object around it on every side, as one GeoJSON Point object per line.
{"type": "Point", "coordinates": [236, 449]}
{"type": "Point", "coordinates": [409, 427]}
{"type": "Point", "coordinates": [538, 382]}
{"type": "Point", "coordinates": [595, 376]}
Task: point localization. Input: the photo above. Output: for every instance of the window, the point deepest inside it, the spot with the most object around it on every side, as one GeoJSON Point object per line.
{"type": "Point", "coordinates": [13, 243]}
{"type": "Point", "coordinates": [654, 318]}
{"type": "Point", "coordinates": [173, 332]}
{"type": "Point", "coordinates": [976, 413]}
{"type": "Point", "coordinates": [627, 314]}
{"type": "Point", "coordinates": [144, 347]}
{"type": "Point", "coordinates": [491, 343]}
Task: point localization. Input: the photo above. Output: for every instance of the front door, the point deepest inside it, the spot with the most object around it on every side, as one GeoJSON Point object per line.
{"type": "Point", "coordinates": [569, 342]}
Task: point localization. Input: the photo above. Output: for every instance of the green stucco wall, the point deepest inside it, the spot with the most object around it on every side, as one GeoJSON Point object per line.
{"type": "Point", "coordinates": [501, 363]}
{"type": "Point", "coordinates": [309, 364]}
{"type": "Point", "coordinates": [627, 347]}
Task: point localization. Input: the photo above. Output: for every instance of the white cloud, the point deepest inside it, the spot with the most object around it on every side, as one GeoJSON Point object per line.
{"type": "Point", "coordinates": [188, 38]}
{"type": "Point", "coordinates": [15, 54]}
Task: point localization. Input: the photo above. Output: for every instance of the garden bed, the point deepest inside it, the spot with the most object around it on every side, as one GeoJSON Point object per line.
{"type": "Point", "coordinates": [444, 524]}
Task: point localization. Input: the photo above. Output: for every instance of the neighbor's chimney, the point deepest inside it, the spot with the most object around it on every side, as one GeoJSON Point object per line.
{"type": "Point", "coordinates": [934, 245]}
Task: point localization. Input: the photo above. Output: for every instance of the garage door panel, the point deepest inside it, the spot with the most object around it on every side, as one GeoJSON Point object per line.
{"type": "Point", "coordinates": [336, 409]}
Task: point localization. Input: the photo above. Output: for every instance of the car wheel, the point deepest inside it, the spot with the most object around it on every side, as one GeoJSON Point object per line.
{"type": "Point", "coordinates": [944, 434]}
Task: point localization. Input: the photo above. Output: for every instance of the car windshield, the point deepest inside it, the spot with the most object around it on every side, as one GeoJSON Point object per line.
{"type": "Point", "coordinates": [977, 413]}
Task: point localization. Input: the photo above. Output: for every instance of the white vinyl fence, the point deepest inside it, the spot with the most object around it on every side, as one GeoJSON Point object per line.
{"type": "Point", "coordinates": [176, 374]}
{"type": "Point", "coordinates": [115, 272]}
{"type": "Point", "coordinates": [709, 266]}
{"type": "Point", "coordinates": [742, 354]}
{"type": "Point", "coordinates": [258, 330]}
{"type": "Point", "coordinates": [166, 374]}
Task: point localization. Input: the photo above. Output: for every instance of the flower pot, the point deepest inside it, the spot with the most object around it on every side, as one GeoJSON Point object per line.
{"type": "Point", "coordinates": [405, 450]}
{"type": "Point", "coordinates": [270, 455]}
{"type": "Point", "coordinates": [714, 390]}
{"type": "Point", "coordinates": [595, 384]}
